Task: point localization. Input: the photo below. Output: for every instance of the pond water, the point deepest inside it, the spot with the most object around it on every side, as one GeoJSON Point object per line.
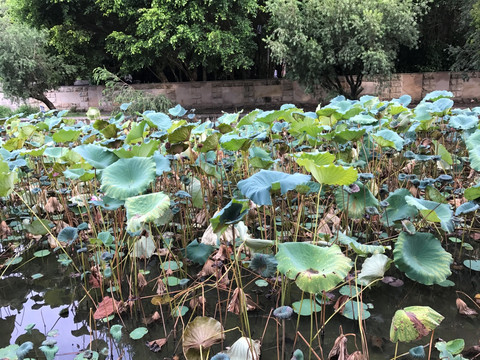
{"type": "Point", "coordinates": [57, 305]}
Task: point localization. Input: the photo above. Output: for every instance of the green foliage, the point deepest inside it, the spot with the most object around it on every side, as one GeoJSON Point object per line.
{"type": "Point", "coordinates": [118, 92]}
{"type": "Point", "coordinates": [27, 68]}
{"type": "Point", "coordinates": [322, 40]}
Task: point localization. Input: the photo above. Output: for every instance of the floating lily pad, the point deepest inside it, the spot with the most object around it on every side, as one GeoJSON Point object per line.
{"type": "Point", "coordinates": [41, 253]}
{"type": "Point", "coordinates": [306, 307]}
{"type": "Point", "coordinates": [138, 333]}
{"type": "Point", "coordinates": [179, 311]}
{"type": "Point", "coordinates": [472, 264]}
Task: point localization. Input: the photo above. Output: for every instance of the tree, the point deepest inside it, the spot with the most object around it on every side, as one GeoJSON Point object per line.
{"type": "Point", "coordinates": [324, 40]}
{"type": "Point", "coordinates": [27, 69]}
{"type": "Point", "coordinates": [179, 37]}
{"type": "Point", "coordinates": [445, 26]}
{"type": "Point", "coordinates": [467, 55]}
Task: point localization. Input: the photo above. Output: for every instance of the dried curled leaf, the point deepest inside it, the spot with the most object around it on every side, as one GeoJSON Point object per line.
{"type": "Point", "coordinates": [464, 309]}
{"type": "Point", "coordinates": [239, 300]}
{"type": "Point", "coordinates": [142, 282]}
{"type": "Point", "coordinates": [53, 205]}
{"type": "Point", "coordinates": [107, 307]}
{"type": "Point", "coordinates": [339, 349]}
{"type": "Point", "coordinates": [155, 317]}
{"type": "Point", "coordinates": [5, 230]}
{"type": "Point", "coordinates": [156, 345]}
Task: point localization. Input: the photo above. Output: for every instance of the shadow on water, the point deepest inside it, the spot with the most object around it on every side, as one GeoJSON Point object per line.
{"type": "Point", "coordinates": [57, 305]}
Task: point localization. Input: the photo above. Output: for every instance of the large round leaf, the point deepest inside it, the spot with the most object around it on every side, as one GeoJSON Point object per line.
{"type": "Point", "coordinates": [422, 258]}
{"type": "Point", "coordinates": [232, 213]}
{"type": "Point", "coordinates": [145, 208]}
{"type": "Point", "coordinates": [96, 155]}
{"type": "Point", "coordinates": [463, 122]}
{"type": "Point", "coordinates": [373, 268]}
{"type": "Point", "coordinates": [128, 177]}
{"type": "Point", "coordinates": [200, 335]}
{"type": "Point", "coordinates": [257, 187]}
{"type": "Point", "coordinates": [388, 138]}
{"type": "Point", "coordinates": [413, 322]}
{"type": "Point", "coordinates": [330, 174]}
{"type": "Point", "coordinates": [314, 269]}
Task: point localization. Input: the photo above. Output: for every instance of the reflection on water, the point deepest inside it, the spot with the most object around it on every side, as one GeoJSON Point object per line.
{"type": "Point", "coordinates": [57, 305]}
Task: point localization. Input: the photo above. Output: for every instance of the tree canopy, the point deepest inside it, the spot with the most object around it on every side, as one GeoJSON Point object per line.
{"type": "Point", "coordinates": [322, 40]}
{"type": "Point", "coordinates": [27, 68]}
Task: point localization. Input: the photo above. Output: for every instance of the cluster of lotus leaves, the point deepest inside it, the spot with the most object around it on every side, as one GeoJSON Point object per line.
{"type": "Point", "coordinates": [314, 268]}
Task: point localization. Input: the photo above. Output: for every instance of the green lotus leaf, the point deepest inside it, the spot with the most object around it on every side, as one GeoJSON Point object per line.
{"type": "Point", "coordinates": [41, 253]}
{"type": "Point", "coordinates": [68, 235]}
{"type": "Point", "coordinates": [306, 307]}
{"type": "Point", "coordinates": [196, 192]}
{"type": "Point", "coordinates": [179, 311]}
{"type": "Point", "coordinates": [474, 157]}
{"type": "Point", "coordinates": [116, 332]}
{"type": "Point", "coordinates": [234, 142]}
{"type": "Point", "coordinates": [138, 333]}
{"type": "Point", "coordinates": [441, 107]}
{"type": "Point", "coordinates": [329, 174]}
{"type": "Point", "coordinates": [257, 187]}
{"type": "Point", "coordinates": [389, 138]}
{"type": "Point", "coordinates": [38, 227]}
{"type": "Point", "coordinates": [361, 249]}
{"type": "Point", "coordinates": [449, 348]}
{"type": "Point", "coordinates": [353, 308]}
{"type": "Point", "coordinates": [472, 264]}
{"type": "Point", "coordinates": [145, 149]}
{"type": "Point", "coordinates": [422, 258]}
{"type": "Point", "coordinates": [177, 111]}
{"type": "Point", "coordinates": [398, 209]}
{"type": "Point", "coordinates": [198, 252]}
{"type": "Point", "coordinates": [434, 195]}
{"type": "Point", "coordinates": [463, 122]}
{"type": "Point", "coordinates": [210, 143]}
{"type": "Point", "coordinates": [162, 163]}
{"type": "Point", "coordinates": [158, 120]}
{"type": "Point", "coordinates": [10, 352]}
{"type": "Point", "coordinates": [413, 322]}
{"type": "Point", "coordinates": [314, 269]}
{"type": "Point", "coordinates": [181, 133]}
{"type": "Point", "coordinates": [355, 203]}
{"type": "Point", "coordinates": [110, 131]}
{"type": "Point", "coordinates": [347, 135]}
{"type": "Point", "coordinates": [318, 158]}
{"type": "Point", "coordinates": [199, 335]}
{"type": "Point", "coordinates": [136, 132]}
{"type": "Point", "coordinates": [97, 156]}
{"type": "Point", "coordinates": [144, 247]}
{"type": "Point", "coordinates": [55, 152]}
{"type": "Point", "coordinates": [7, 179]}
{"type": "Point", "coordinates": [472, 192]}
{"type": "Point", "coordinates": [63, 135]}
{"type": "Point", "coordinates": [259, 158]}
{"type": "Point", "coordinates": [232, 213]}
{"type": "Point", "coordinates": [143, 209]}
{"type": "Point", "coordinates": [466, 208]}
{"type": "Point", "coordinates": [171, 265]}
{"type": "Point", "coordinates": [128, 177]}
{"type": "Point", "coordinates": [373, 268]}
{"type": "Point", "coordinates": [79, 174]}
{"type": "Point", "coordinates": [363, 119]}
{"type": "Point", "coordinates": [434, 212]}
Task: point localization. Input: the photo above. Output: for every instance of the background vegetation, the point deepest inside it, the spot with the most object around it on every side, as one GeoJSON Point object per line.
{"type": "Point", "coordinates": [164, 41]}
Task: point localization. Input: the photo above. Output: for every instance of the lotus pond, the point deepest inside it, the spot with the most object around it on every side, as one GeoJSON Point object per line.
{"type": "Point", "coordinates": [350, 233]}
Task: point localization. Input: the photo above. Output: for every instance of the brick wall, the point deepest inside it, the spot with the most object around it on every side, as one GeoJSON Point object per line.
{"type": "Point", "coordinates": [270, 93]}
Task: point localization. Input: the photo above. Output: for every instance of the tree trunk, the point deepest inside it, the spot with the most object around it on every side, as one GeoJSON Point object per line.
{"type": "Point", "coordinates": [45, 100]}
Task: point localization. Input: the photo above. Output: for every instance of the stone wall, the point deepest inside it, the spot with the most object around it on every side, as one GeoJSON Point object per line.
{"type": "Point", "coordinates": [270, 93]}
